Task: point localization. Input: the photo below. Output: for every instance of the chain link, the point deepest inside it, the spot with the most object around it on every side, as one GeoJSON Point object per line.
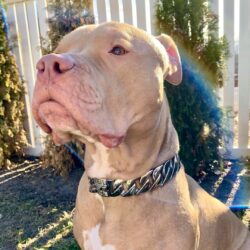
{"type": "Point", "coordinates": [156, 177]}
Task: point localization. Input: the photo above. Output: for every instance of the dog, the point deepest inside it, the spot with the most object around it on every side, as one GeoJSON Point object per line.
{"type": "Point", "coordinates": [103, 86]}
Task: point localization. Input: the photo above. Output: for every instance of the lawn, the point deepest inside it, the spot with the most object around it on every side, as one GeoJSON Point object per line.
{"type": "Point", "coordinates": [36, 205]}
{"type": "Point", "coordinates": [36, 208]}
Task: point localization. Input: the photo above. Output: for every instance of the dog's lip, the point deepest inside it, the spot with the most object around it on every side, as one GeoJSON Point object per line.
{"type": "Point", "coordinates": [111, 141]}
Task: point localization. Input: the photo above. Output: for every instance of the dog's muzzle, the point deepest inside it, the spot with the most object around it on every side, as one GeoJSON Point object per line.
{"type": "Point", "coordinates": [154, 178]}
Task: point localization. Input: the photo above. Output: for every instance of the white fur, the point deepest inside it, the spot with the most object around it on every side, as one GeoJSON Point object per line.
{"type": "Point", "coordinates": [101, 167]}
{"type": "Point", "coordinates": [99, 198]}
{"type": "Point", "coordinates": [92, 240]}
{"type": "Point", "coordinates": [89, 139]}
{"type": "Point", "coordinates": [80, 136]}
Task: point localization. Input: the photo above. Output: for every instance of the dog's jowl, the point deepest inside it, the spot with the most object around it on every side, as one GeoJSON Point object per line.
{"type": "Point", "coordinates": [104, 87]}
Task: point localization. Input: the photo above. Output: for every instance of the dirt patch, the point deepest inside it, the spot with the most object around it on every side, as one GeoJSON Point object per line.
{"type": "Point", "coordinates": [36, 207]}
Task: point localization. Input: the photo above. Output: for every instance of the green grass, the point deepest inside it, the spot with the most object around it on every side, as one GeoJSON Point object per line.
{"type": "Point", "coordinates": [244, 215]}
{"type": "Point", "coordinates": [36, 208]}
{"type": "Point", "coordinates": [56, 235]}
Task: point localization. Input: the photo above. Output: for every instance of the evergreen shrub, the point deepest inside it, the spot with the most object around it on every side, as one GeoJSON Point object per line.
{"type": "Point", "coordinates": [12, 134]}
{"type": "Point", "coordinates": [194, 103]}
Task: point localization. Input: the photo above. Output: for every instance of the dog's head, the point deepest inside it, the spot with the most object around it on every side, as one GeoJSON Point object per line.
{"type": "Point", "coordinates": [103, 83]}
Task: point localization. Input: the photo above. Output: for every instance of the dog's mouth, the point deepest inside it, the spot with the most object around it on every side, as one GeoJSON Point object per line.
{"type": "Point", "coordinates": [64, 127]}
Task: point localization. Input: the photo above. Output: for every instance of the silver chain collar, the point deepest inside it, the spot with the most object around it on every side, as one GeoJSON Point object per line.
{"type": "Point", "coordinates": [156, 177]}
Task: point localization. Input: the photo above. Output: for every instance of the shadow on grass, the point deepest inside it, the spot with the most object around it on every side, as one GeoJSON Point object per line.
{"type": "Point", "coordinates": [36, 208]}
{"type": "Point", "coordinates": [57, 235]}
{"type": "Point", "coordinates": [231, 186]}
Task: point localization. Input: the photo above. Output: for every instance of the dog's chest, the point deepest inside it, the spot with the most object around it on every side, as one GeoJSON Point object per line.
{"type": "Point", "coordinates": [92, 240]}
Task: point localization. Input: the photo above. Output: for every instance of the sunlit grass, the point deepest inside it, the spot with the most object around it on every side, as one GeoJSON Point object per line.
{"type": "Point", "coordinates": [246, 218]}
{"type": "Point", "coordinates": [218, 183]}
{"type": "Point", "coordinates": [16, 170]}
{"type": "Point", "coordinates": [15, 173]}
{"type": "Point", "coordinates": [235, 187]}
{"type": "Point", "coordinates": [36, 208]}
{"type": "Point", "coordinates": [53, 233]}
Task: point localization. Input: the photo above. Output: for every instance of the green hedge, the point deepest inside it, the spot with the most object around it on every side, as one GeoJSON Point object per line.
{"type": "Point", "coordinates": [12, 134]}
{"type": "Point", "coordinates": [194, 103]}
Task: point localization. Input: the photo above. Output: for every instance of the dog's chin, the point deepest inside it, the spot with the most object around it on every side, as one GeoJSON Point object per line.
{"type": "Point", "coordinates": [60, 138]}
{"type": "Point", "coordinates": [107, 140]}
{"type": "Point", "coordinates": [64, 128]}
{"type": "Point", "coordinates": [110, 141]}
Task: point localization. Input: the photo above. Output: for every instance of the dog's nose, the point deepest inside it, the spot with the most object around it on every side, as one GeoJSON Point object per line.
{"type": "Point", "coordinates": [54, 65]}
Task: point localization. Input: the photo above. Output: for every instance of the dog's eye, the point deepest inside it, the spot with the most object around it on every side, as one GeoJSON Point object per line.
{"type": "Point", "coordinates": [118, 51]}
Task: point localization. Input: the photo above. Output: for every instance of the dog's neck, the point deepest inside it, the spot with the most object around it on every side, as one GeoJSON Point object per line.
{"type": "Point", "coordinates": [133, 158]}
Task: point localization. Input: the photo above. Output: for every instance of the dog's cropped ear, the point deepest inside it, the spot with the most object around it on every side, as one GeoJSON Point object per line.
{"type": "Point", "coordinates": [174, 72]}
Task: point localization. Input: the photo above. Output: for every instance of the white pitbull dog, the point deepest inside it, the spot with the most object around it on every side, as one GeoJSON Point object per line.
{"type": "Point", "coordinates": [104, 87]}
